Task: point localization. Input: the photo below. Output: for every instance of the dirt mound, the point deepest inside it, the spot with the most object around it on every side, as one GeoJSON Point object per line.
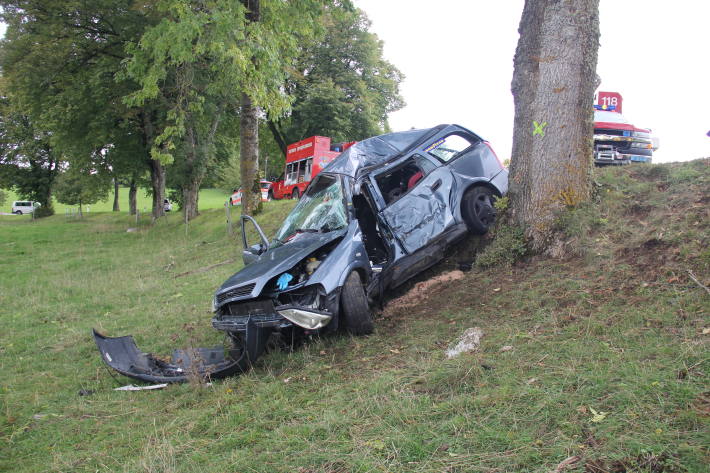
{"type": "Point", "coordinates": [423, 290]}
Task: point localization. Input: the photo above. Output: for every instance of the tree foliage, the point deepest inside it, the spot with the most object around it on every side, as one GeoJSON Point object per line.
{"type": "Point", "coordinates": [202, 57]}
{"type": "Point", "coordinates": [134, 87]}
{"type": "Point", "coordinates": [29, 163]}
{"type": "Point", "coordinates": [77, 186]}
{"type": "Point", "coordinates": [63, 60]}
{"type": "Point", "coordinates": [342, 86]}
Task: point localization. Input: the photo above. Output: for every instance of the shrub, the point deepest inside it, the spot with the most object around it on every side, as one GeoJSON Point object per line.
{"type": "Point", "coordinates": [507, 247]}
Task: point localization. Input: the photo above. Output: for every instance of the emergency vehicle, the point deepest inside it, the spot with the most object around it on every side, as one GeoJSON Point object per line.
{"type": "Point", "coordinates": [616, 140]}
{"type": "Point", "coordinates": [304, 160]}
{"type": "Point", "coordinates": [236, 197]}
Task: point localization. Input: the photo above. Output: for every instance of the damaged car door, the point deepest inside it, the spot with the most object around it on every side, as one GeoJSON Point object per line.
{"type": "Point", "coordinates": [416, 195]}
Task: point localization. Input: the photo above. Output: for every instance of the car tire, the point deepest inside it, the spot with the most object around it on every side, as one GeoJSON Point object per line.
{"type": "Point", "coordinates": [18, 212]}
{"type": "Point", "coordinates": [295, 194]}
{"type": "Point", "coordinates": [355, 314]}
{"type": "Point", "coordinates": [270, 195]}
{"type": "Point", "coordinates": [478, 210]}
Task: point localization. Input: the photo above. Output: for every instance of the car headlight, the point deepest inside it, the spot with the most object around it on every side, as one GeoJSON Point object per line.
{"type": "Point", "coordinates": [641, 134]}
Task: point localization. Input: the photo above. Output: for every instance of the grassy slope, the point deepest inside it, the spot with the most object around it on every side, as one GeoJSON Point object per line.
{"type": "Point", "coordinates": [617, 329]}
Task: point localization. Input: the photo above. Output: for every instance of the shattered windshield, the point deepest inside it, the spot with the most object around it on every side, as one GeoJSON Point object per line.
{"type": "Point", "coordinates": [321, 209]}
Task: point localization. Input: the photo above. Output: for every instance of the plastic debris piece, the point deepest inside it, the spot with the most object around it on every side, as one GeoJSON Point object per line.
{"type": "Point", "coordinates": [470, 341]}
{"type": "Point", "coordinates": [133, 387]}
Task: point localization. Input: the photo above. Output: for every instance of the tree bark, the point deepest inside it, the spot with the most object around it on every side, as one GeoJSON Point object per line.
{"type": "Point", "coordinates": [157, 170]}
{"type": "Point", "coordinates": [553, 90]}
{"type": "Point", "coordinates": [116, 206]}
{"type": "Point", "coordinates": [157, 182]}
{"type": "Point", "coordinates": [132, 201]}
{"type": "Point", "coordinates": [278, 136]}
{"type": "Point", "coordinates": [249, 151]}
{"type": "Point", "coordinates": [249, 136]}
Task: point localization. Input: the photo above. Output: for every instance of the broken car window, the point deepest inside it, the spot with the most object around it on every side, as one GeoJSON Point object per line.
{"type": "Point", "coordinates": [398, 181]}
{"type": "Point", "coordinates": [448, 147]}
{"type": "Point", "coordinates": [321, 209]}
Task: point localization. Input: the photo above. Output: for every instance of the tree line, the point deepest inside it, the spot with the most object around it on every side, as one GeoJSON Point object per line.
{"type": "Point", "coordinates": [165, 94]}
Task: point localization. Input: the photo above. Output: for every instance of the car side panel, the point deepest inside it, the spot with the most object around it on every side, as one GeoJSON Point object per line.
{"type": "Point", "coordinates": [479, 161]}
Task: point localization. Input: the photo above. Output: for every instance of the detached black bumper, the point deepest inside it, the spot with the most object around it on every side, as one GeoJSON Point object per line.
{"type": "Point", "coordinates": [122, 354]}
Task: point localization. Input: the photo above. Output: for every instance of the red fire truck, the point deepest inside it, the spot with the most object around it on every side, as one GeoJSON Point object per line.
{"type": "Point", "coordinates": [304, 160]}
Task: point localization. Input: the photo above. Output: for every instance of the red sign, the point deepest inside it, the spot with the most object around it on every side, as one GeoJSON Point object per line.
{"type": "Point", "coordinates": [610, 101]}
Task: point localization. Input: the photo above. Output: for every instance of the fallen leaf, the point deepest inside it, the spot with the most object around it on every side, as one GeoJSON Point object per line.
{"type": "Point", "coordinates": [597, 416]}
{"type": "Point", "coordinates": [394, 350]}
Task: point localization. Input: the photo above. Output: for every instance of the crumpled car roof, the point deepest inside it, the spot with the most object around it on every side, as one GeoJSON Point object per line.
{"type": "Point", "coordinates": [376, 150]}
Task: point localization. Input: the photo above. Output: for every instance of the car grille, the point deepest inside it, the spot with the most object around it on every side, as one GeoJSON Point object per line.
{"type": "Point", "coordinates": [241, 291]}
{"type": "Point", "coordinates": [608, 131]}
{"type": "Point", "coordinates": [251, 307]}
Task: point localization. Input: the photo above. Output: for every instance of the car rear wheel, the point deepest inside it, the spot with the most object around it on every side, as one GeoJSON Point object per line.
{"type": "Point", "coordinates": [270, 195]}
{"type": "Point", "coordinates": [354, 310]}
{"type": "Point", "coordinates": [478, 210]}
{"type": "Point", "coordinates": [295, 194]}
{"type": "Point", "coordinates": [18, 212]}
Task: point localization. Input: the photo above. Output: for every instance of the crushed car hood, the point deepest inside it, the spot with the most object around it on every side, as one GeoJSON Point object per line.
{"type": "Point", "coordinates": [273, 263]}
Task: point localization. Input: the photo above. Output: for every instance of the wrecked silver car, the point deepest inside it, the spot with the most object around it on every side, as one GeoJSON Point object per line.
{"type": "Point", "coordinates": [378, 214]}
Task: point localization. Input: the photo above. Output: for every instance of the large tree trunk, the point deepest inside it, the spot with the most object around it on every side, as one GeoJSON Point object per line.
{"type": "Point", "coordinates": [553, 89]}
{"type": "Point", "coordinates": [157, 182]}
{"type": "Point", "coordinates": [249, 144]}
{"type": "Point", "coordinates": [116, 207]}
{"type": "Point", "coordinates": [249, 136]}
{"type": "Point", "coordinates": [43, 192]}
{"type": "Point", "coordinates": [157, 170]}
{"type": "Point", "coordinates": [132, 201]}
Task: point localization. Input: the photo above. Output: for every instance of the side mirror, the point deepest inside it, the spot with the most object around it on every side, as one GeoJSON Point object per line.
{"type": "Point", "coordinates": [251, 253]}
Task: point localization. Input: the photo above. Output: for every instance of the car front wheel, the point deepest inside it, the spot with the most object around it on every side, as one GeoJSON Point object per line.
{"type": "Point", "coordinates": [354, 309]}
{"type": "Point", "coordinates": [478, 210]}
{"type": "Point", "coordinates": [295, 194]}
{"type": "Point", "coordinates": [18, 212]}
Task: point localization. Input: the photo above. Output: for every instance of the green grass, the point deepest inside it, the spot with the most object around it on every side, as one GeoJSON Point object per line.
{"type": "Point", "coordinates": [209, 199]}
{"type": "Point", "coordinates": [617, 327]}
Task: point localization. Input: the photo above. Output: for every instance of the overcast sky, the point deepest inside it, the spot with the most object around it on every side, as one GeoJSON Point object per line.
{"type": "Point", "coordinates": [457, 56]}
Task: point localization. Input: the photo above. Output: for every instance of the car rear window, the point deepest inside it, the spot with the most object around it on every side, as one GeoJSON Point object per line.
{"type": "Point", "coordinates": [448, 147]}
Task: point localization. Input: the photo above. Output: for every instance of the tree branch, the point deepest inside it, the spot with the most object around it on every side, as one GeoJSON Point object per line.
{"type": "Point", "coordinates": [692, 276]}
